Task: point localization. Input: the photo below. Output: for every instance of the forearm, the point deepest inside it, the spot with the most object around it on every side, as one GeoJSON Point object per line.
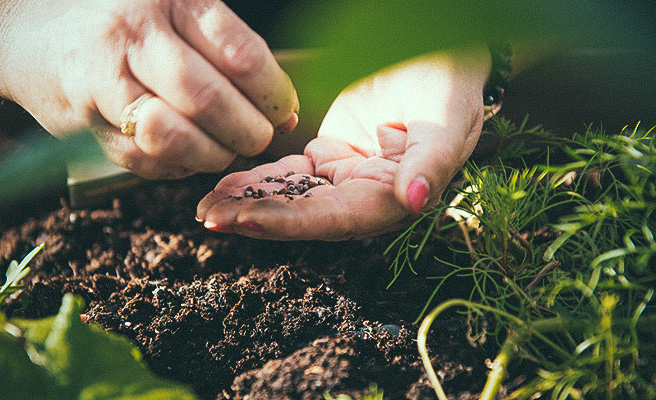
{"type": "Point", "coordinates": [11, 13]}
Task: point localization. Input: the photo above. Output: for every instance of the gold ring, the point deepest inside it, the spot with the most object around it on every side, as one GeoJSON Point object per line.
{"type": "Point", "coordinates": [130, 114]}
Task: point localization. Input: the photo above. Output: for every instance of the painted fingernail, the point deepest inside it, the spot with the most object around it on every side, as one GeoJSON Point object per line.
{"type": "Point", "coordinates": [417, 194]}
{"type": "Point", "coordinates": [219, 227]}
{"type": "Point", "coordinates": [289, 125]}
{"type": "Point", "coordinates": [199, 219]}
{"type": "Point", "coordinates": [397, 125]}
{"type": "Point", "coordinates": [251, 226]}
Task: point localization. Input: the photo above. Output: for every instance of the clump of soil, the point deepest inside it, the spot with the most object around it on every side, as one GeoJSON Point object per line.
{"type": "Point", "coordinates": [233, 317]}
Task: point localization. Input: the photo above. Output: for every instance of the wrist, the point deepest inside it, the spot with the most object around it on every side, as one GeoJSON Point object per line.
{"type": "Point", "coordinates": [497, 82]}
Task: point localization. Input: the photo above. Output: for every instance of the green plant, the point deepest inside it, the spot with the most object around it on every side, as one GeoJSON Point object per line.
{"type": "Point", "coordinates": [62, 358]}
{"type": "Point", "coordinates": [16, 272]}
{"type": "Point", "coordinates": [373, 394]}
{"type": "Point", "coordinates": [561, 255]}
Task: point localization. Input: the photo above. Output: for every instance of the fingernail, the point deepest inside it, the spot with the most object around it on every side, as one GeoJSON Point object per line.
{"type": "Point", "coordinates": [219, 227]}
{"type": "Point", "coordinates": [417, 194]}
{"type": "Point", "coordinates": [289, 125]}
{"type": "Point", "coordinates": [397, 125]}
{"type": "Point", "coordinates": [199, 219]}
{"type": "Point", "coordinates": [251, 226]}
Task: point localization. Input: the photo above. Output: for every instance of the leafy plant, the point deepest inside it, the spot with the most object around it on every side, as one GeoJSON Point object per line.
{"type": "Point", "coordinates": [561, 255]}
{"type": "Point", "coordinates": [62, 358]}
{"type": "Point", "coordinates": [16, 272]}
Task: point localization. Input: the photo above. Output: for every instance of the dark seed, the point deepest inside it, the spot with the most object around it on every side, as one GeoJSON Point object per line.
{"type": "Point", "coordinates": [248, 193]}
{"type": "Point", "coordinates": [290, 173]}
{"type": "Point", "coordinates": [250, 189]}
{"type": "Point", "coordinates": [306, 187]}
{"type": "Point", "coordinates": [282, 191]}
{"type": "Point", "coordinates": [268, 178]}
{"type": "Point", "coordinates": [275, 192]}
{"type": "Point", "coordinates": [280, 179]}
{"type": "Point", "coordinates": [261, 193]}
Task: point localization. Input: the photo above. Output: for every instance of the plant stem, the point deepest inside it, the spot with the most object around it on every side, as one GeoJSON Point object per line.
{"type": "Point", "coordinates": [499, 366]}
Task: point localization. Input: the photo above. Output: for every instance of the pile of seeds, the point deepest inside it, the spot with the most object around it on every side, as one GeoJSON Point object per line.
{"type": "Point", "coordinates": [291, 189]}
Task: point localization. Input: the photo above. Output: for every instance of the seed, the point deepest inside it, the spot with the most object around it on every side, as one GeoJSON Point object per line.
{"type": "Point", "coordinates": [290, 173]}
{"type": "Point", "coordinates": [275, 192]}
{"type": "Point", "coordinates": [250, 189]}
{"type": "Point", "coordinates": [280, 179]}
{"type": "Point", "coordinates": [306, 187]}
{"type": "Point", "coordinates": [261, 193]}
{"type": "Point", "coordinates": [306, 176]}
{"type": "Point", "coordinates": [268, 179]}
{"type": "Point", "coordinates": [282, 191]}
{"type": "Point", "coordinates": [248, 193]}
{"type": "Point", "coordinates": [299, 187]}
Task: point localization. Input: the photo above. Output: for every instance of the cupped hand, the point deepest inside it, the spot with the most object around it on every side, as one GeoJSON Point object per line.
{"type": "Point", "coordinates": [216, 88]}
{"type": "Point", "coordinates": [388, 147]}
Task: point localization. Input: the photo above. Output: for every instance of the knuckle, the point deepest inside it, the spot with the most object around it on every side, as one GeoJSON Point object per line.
{"type": "Point", "coordinates": [257, 143]}
{"type": "Point", "coordinates": [204, 99]}
{"type": "Point", "coordinates": [243, 52]}
{"type": "Point", "coordinates": [161, 142]}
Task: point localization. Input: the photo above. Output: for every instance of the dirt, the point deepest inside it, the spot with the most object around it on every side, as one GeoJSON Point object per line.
{"type": "Point", "coordinates": [239, 318]}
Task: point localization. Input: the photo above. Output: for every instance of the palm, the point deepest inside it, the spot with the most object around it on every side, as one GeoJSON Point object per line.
{"type": "Point", "coordinates": [362, 148]}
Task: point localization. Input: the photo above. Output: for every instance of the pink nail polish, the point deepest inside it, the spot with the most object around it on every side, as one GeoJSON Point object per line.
{"type": "Point", "coordinates": [417, 194]}
{"type": "Point", "coordinates": [219, 227]}
{"type": "Point", "coordinates": [251, 226]}
{"type": "Point", "coordinates": [397, 125]}
{"type": "Point", "coordinates": [199, 219]}
{"type": "Point", "coordinates": [289, 125]}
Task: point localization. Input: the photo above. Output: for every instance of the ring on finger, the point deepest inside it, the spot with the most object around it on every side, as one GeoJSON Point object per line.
{"type": "Point", "coordinates": [130, 115]}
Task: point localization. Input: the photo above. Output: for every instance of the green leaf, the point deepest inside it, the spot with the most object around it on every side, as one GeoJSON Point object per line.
{"type": "Point", "coordinates": [81, 362]}
{"type": "Point", "coordinates": [16, 271]}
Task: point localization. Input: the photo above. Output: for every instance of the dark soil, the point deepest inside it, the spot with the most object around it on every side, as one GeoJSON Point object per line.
{"type": "Point", "coordinates": [238, 318]}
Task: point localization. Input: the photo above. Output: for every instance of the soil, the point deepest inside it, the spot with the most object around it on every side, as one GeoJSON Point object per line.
{"type": "Point", "coordinates": [238, 318]}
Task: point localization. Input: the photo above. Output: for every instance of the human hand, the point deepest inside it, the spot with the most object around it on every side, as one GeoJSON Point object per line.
{"type": "Point", "coordinates": [389, 144]}
{"type": "Point", "coordinates": [217, 89]}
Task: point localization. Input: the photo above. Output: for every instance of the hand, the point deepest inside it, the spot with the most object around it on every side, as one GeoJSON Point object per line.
{"type": "Point", "coordinates": [389, 145]}
{"type": "Point", "coordinates": [217, 89]}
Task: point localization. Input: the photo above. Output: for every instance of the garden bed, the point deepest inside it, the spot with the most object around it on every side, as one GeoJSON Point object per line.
{"type": "Point", "coordinates": [235, 317]}
{"type": "Point", "coordinates": [544, 274]}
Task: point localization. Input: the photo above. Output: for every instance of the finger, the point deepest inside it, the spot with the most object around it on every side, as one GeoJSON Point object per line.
{"type": "Point", "coordinates": [433, 155]}
{"type": "Point", "coordinates": [241, 55]}
{"type": "Point", "coordinates": [185, 80]}
{"type": "Point", "coordinates": [123, 152]}
{"type": "Point", "coordinates": [164, 134]}
{"type": "Point", "coordinates": [392, 138]}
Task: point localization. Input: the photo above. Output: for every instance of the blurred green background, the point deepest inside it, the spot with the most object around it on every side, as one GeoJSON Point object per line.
{"type": "Point", "coordinates": [600, 67]}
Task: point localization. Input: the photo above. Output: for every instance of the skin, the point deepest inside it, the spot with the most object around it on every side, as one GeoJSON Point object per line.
{"type": "Point", "coordinates": [389, 144]}
{"type": "Point", "coordinates": [218, 90]}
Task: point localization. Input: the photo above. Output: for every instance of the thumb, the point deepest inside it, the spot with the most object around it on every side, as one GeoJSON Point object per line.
{"type": "Point", "coordinates": [434, 153]}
